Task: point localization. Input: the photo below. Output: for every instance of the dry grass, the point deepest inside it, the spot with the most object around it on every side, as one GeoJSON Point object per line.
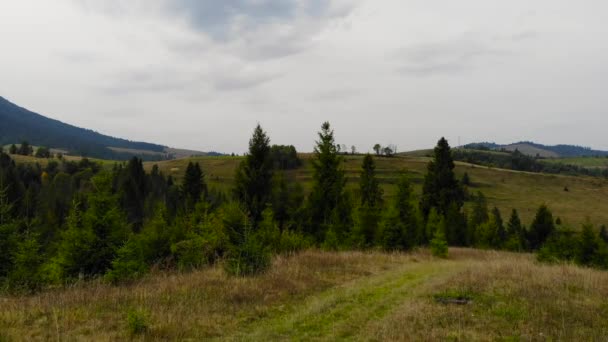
{"type": "Point", "coordinates": [196, 305]}
{"type": "Point", "coordinates": [513, 298]}
{"type": "Point", "coordinates": [505, 189]}
{"type": "Point", "coordinates": [328, 296]}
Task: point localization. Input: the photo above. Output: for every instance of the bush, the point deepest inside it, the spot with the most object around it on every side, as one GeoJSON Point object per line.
{"type": "Point", "coordinates": [190, 253]}
{"type": "Point", "coordinates": [560, 246]}
{"type": "Point", "coordinates": [439, 245]}
{"type": "Point", "coordinates": [137, 322]}
{"type": "Point", "coordinates": [249, 258]}
{"type": "Point", "coordinates": [129, 264]}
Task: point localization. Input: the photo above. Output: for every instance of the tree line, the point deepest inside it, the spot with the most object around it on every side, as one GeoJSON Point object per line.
{"type": "Point", "coordinates": [76, 220]}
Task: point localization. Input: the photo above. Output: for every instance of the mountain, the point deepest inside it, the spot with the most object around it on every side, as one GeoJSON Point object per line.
{"type": "Point", "coordinates": [545, 151]}
{"type": "Point", "coordinates": [18, 124]}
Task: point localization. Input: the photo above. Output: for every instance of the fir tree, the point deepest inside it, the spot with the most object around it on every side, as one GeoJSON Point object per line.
{"type": "Point", "coordinates": [328, 203]}
{"type": "Point", "coordinates": [194, 186]}
{"type": "Point", "coordinates": [440, 187]}
{"type": "Point", "coordinates": [253, 180]}
{"type": "Point", "coordinates": [542, 227]}
{"type": "Point", "coordinates": [516, 239]}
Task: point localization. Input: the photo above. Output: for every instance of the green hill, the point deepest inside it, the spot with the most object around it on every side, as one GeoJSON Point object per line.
{"type": "Point", "coordinates": [506, 189]}
{"type": "Point", "coordinates": [19, 124]}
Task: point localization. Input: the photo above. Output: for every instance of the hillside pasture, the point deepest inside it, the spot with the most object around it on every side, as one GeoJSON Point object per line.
{"type": "Point", "coordinates": [586, 197]}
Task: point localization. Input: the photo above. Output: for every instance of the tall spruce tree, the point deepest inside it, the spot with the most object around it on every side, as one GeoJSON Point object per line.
{"type": "Point", "coordinates": [133, 191]}
{"type": "Point", "coordinates": [194, 186]}
{"type": "Point", "coordinates": [440, 187]}
{"type": "Point", "coordinates": [328, 203]}
{"type": "Point", "coordinates": [253, 180]}
{"type": "Point", "coordinates": [371, 193]}
{"type": "Point", "coordinates": [371, 199]}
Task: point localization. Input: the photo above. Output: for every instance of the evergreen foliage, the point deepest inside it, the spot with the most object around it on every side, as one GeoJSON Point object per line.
{"type": "Point", "coordinates": [253, 180]}
{"type": "Point", "coordinates": [541, 228]}
{"type": "Point", "coordinates": [440, 188]}
{"type": "Point", "coordinates": [328, 203]}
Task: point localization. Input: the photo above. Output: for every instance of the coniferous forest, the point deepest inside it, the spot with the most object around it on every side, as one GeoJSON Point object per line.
{"type": "Point", "coordinates": [72, 221]}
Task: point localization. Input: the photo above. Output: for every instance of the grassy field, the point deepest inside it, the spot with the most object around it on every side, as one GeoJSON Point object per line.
{"type": "Point", "coordinates": [506, 189]}
{"type": "Point", "coordinates": [332, 296]}
{"type": "Point", "coordinates": [588, 162]}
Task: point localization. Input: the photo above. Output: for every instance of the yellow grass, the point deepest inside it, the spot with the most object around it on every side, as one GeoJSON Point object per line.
{"type": "Point", "coordinates": [505, 189]}
{"type": "Point", "coordinates": [332, 296]}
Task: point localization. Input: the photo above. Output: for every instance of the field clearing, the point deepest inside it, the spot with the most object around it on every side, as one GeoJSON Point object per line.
{"type": "Point", "coordinates": [587, 197]}
{"type": "Point", "coordinates": [588, 162]}
{"type": "Point", "coordinates": [332, 296]}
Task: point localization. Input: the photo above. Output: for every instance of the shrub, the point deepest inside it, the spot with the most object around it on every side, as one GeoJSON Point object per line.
{"type": "Point", "coordinates": [129, 264]}
{"type": "Point", "coordinates": [137, 322]}
{"type": "Point", "coordinates": [559, 247]}
{"type": "Point", "coordinates": [439, 245]}
{"type": "Point", "coordinates": [190, 253]}
{"type": "Point", "coordinates": [249, 258]}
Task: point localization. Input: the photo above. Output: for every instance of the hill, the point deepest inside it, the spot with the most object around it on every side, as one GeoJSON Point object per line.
{"type": "Point", "coordinates": [330, 296]}
{"type": "Point", "coordinates": [19, 124]}
{"type": "Point", "coordinates": [506, 189]}
{"type": "Point", "coordinates": [545, 151]}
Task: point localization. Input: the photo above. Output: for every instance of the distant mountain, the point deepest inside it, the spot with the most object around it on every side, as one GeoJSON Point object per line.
{"type": "Point", "coordinates": [545, 151]}
{"type": "Point", "coordinates": [18, 124]}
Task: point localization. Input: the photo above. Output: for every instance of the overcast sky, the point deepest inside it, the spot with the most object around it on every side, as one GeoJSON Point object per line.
{"type": "Point", "coordinates": [200, 74]}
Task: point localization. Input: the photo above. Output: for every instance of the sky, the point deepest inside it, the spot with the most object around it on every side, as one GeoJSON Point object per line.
{"type": "Point", "coordinates": [200, 74]}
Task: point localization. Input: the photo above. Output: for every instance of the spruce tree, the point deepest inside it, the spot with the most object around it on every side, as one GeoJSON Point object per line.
{"type": "Point", "coordinates": [542, 227]}
{"type": "Point", "coordinates": [133, 191]}
{"type": "Point", "coordinates": [440, 187]}
{"type": "Point", "coordinates": [500, 235]}
{"type": "Point", "coordinates": [194, 186]}
{"type": "Point", "coordinates": [479, 215]}
{"type": "Point", "coordinates": [371, 193]}
{"type": "Point", "coordinates": [588, 246]}
{"type": "Point", "coordinates": [328, 203]}
{"type": "Point", "coordinates": [515, 233]}
{"type": "Point", "coordinates": [12, 149]}
{"type": "Point", "coordinates": [455, 226]}
{"type": "Point", "coordinates": [253, 180]}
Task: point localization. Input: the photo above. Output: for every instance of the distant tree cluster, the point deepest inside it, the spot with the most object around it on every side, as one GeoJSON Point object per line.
{"type": "Point", "coordinates": [388, 151]}
{"type": "Point", "coordinates": [520, 162]}
{"type": "Point", "coordinates": [76, 220]}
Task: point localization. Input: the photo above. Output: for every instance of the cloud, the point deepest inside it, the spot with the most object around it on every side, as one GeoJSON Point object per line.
{"type": "Point", "coordinates": [460, 54]}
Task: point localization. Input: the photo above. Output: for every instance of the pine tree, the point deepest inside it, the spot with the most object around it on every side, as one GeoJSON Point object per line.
{"type": "Point", "coordinates": [440, 187]}
{"type": "Point", "coordinates": [371, 193]}
{"type": "Point", "coordinates": [516, 239]}
{"type": "Point", "coordinates": [542, 227]}
{"type": "Point", "coordinates": [479, 216]}
{"type": "Point", "coordinates": [455, 226]}
{"type": "Point", "coordinates": [253, 180]}
{"type": "Point", "coordinates": [588, 246]}
{"type": "Point", "coordinates": [500, 235]}
{"type": "Point", "coordinates": [194, 187]}
{"type": "Point", "coordinates": [439, 245]}
{"type": "Point", "coordinates": [328, 203]}
{"type": "Point", "coordinates": [133, 191]}
{"type": "Point", "coordinates": [13, 149]}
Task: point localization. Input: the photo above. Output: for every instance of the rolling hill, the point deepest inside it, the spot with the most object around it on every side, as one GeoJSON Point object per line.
{"type": "Point", "coordinates": [544, 151]}
{"type": "Point", "coordinates": [19, 124]}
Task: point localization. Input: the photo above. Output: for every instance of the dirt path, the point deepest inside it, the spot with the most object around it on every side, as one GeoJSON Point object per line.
{"type": "Point", "coordinates": [343, 312]}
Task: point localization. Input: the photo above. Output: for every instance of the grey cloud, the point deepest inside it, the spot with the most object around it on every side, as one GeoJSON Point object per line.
{"type": "Point", "coordinates": [444, 57]}
{"type": "Point", "coordinates": [225, 17]}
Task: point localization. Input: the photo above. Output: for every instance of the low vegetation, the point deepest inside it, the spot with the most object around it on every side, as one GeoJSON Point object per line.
{"type": "Point", "coordinates": [330, 296]}
{"type": "Point", "coordinates": [73, 224]}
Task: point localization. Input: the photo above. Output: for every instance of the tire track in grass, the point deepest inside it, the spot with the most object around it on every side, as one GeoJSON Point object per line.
{"type": "Point", "coordinates": [341, 312]}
